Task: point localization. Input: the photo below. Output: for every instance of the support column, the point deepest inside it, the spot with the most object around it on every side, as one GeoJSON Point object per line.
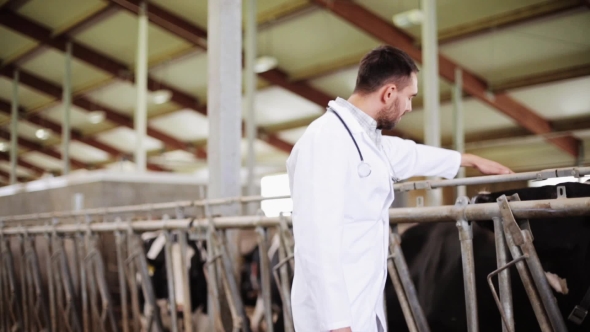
{"type": "Point", "coordinates": [14, 128]}
{"type": "Point", "coordinates": [250, 101]}
{"type": "Point", "coordinates": [67, 105]}
{"type": "Point", "coordinates": [224, 100]}
{"type": "Point", "coordinates": [431, 89]}
{"type": "Point", "coordinates": [141, 86]}
{"type": "Point", "coordinates": [458, 121]}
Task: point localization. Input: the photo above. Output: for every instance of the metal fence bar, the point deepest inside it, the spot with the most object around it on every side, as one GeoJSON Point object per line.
{"type": "Point", "coordinates": [404, 275]}
{"type": "Point", "coordinates": [122, 283]}
{"type": "Point", "coordinates": [466, 239]}
{"type": "Point", "coordinates": [265, 277]}
{"type": "Point", "coordinates": [540, 175]}
{"type": "Point", "coordinates": [170, 277]}
{"type": "Point", "coordinates": [186, 286]}
{"type": "Point", "coordinates": [550, 208]}
{"type": "Point", "coordinates": [522, 270]}
{"type": "Point", "coordinates": [504, 277]}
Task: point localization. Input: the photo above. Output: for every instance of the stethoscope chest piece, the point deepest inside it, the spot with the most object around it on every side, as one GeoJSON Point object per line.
{"type": "Point", "coordinates": [364, 169]}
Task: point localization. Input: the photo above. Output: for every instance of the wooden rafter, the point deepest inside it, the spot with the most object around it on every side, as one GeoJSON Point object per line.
{"type": "Point", "coordinates": [377, 27]}
{"type": "Point", "coordinates": [275, 76]}
{"type": "Point", "coordinates": [36, 169]}
{"type": "Point", "coordinates": [28, 144]}
{"type": "Point", "coordinates": [76, 135]}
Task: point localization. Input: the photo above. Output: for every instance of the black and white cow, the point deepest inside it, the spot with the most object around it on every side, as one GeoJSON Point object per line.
{"type": "Point", "coordinates": [433, 254]}
{"type": "Point", "coordinates": [154, 243]}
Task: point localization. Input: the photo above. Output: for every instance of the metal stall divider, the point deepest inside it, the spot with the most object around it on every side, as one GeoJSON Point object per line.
{"type": "Point", "coordinates": [524, 239]}
{"type": "Point", "coordinates": [69, 309]}
{"type": "Point", "coordinates": [405, 290]}
{"type": "Point", "coordinates": [170, 275]}
{"type": "Point", "coordinates": [466, 238]}
{"type": "Point", "coordinates": [262, 240]}
{"type": "Point", "coordinates": [119, 239]}
{"type": "Point", "coordinates": [283, 283]}
{"type": "Point", "coordinates": [131, 279]}
{"type": "Point", "coordinates": [37, 299]}
{"type": "Point", "coordinates": [137, 257]}
{"type": "Point", "coordinates": [94, 265]}
{"type": "Point", "coordinates": [23, 284]}
{"type": "Point", "coordinates": [221, 260]}
{"type": "Point", "coordinates": [503, 278]}
{"type": "Point", "coordinates": [81, 248]}
{"type": "Point", "coordinates": [13, 319]}
{"type": "Point", "coordinates": [50, 283]}
{"type": "Point", "coordinates": [186, 303]}
{"type": "Point", "coordinates": [514, 237]}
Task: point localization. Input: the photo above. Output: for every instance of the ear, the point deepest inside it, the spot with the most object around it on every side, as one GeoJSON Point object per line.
{"type": "Point", "coordinates": [388, 91]}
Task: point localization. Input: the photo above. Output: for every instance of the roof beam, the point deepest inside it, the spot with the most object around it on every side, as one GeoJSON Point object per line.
{"type": "Point", "coordinates": [544, 10]}
{"type": "Point", "coordinates": [75, 134]}
{"type": "Point", "coordinates": [84, 24]}
{"type": "Point", "coordinates": [118, 69]}
{"type": "Point", "coordinates": [40, 148]}
{"type": "Point", "coordinates": [16, 4]}
{"type": "Point", "coordinates": [55, 91]}
{"type": "Point", "coordinates": [7, 176]}
{"type": "Point", "coordinates": [195, 35]}
{"type": "Point", "coordinates": [377, 27]}
{"type": "Point", "coordinates": [38, 170]}
{"type": "Point", "coordinates": [274, 76]}
{"type": "Point", "coordinates": [542, 78]}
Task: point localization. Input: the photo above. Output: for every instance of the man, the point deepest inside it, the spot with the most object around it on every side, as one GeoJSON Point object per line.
{"type": "Point", "coordinates": [340, 174]}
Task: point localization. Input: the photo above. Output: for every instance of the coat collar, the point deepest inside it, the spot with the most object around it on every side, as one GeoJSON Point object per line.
{"type": "Point", "coordinates": [352, 123]}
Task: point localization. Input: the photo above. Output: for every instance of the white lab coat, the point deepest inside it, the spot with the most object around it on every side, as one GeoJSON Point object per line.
{"type": "Point", "coordinates": [340, 221]}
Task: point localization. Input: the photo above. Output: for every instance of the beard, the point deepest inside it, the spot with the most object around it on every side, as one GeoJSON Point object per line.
{"type": "Point", "coordinates": [388, 117]}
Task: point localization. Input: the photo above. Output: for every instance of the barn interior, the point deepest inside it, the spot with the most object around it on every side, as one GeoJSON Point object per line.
{"type": "Point", "coordinates": [112, 103]}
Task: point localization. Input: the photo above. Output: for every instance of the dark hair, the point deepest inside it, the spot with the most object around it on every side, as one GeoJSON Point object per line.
{"type": "Point", "coordinates": [384, 64]}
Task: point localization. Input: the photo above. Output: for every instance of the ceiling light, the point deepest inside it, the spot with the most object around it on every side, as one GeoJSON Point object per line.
{"type": "Point", "coordinates": [408, 19]}
{"type": "Point", "coordinates": [3, 147]}
{"type": "Point", "coordinates": [265, 63]}
{"type": "Point", "coordinates": [42, 134]}
{"type": "Point", "coordinates": [161, 96]}
{"type": "Point", "coordinates": [96, 117]}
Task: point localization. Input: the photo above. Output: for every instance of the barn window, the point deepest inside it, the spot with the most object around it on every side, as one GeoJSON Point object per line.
{"type": "Point", "coordinates": [276, 185]}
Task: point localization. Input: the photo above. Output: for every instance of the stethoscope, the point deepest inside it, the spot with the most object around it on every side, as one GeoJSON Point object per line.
{"type": "Point", "coordinates": [364, 169]}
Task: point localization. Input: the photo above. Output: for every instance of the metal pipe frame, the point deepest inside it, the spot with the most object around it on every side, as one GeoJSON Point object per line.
{"type": "Point", "coordinates": [550, 208]}
{"type": "Point", "coordinates": [284, 291]}
{"type": "Point", "coordinates": [137, 256]}
{"type": "Point", "coordinates": [504, 277]}
{"type": "Point", "coordinates": [408, 186]}
{"type": "Point", "coordinates": [38, 299]}
{"type": "Point", "coordinates": [466, 239]}
{"type": "Point", "coordinates": [408, 286]}
{"type": "Point", "coordinates": [23, 284]}
{"type": "Point", "coordinates": [170, 279]}
{"type": "Point", "coordinates": [81, 248]}
{"type": "Point", "coordinates": [122, 284]}
{"type": "Point", "coordinates": [187, 303]}
{"type": "Point", "coordinates": [94, 259]}
{"type": "Point", "coordinates": [540, 175]}
{"type": "Point", "coordinates": [265, 277]}
{"type": "Point", "coordinates": [401, 296]}
{"type": "Point", "coordinates": [524, 273]}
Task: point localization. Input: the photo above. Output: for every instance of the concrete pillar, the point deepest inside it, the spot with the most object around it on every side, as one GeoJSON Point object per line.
{"type": "Point", "coordinates": [141, 72]}
{"type": "Point", "coordinates": [458, 121]}
{"type": "Point", "coordinates": [431, 89]}
{"type": "Point", "coordinates": [14, 128]}
{"type": "Point", "coordinates": [224, 103]}
{"type": "Point", "coordinates": [67, 105]}
{"type": "Point", "coordinates": [250, 101]}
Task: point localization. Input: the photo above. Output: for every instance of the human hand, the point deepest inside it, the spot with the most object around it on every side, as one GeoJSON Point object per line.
{"type": "Point", "coordinates": [344, 329]}
{"type": "Point", "coordinates": [486, 166]}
